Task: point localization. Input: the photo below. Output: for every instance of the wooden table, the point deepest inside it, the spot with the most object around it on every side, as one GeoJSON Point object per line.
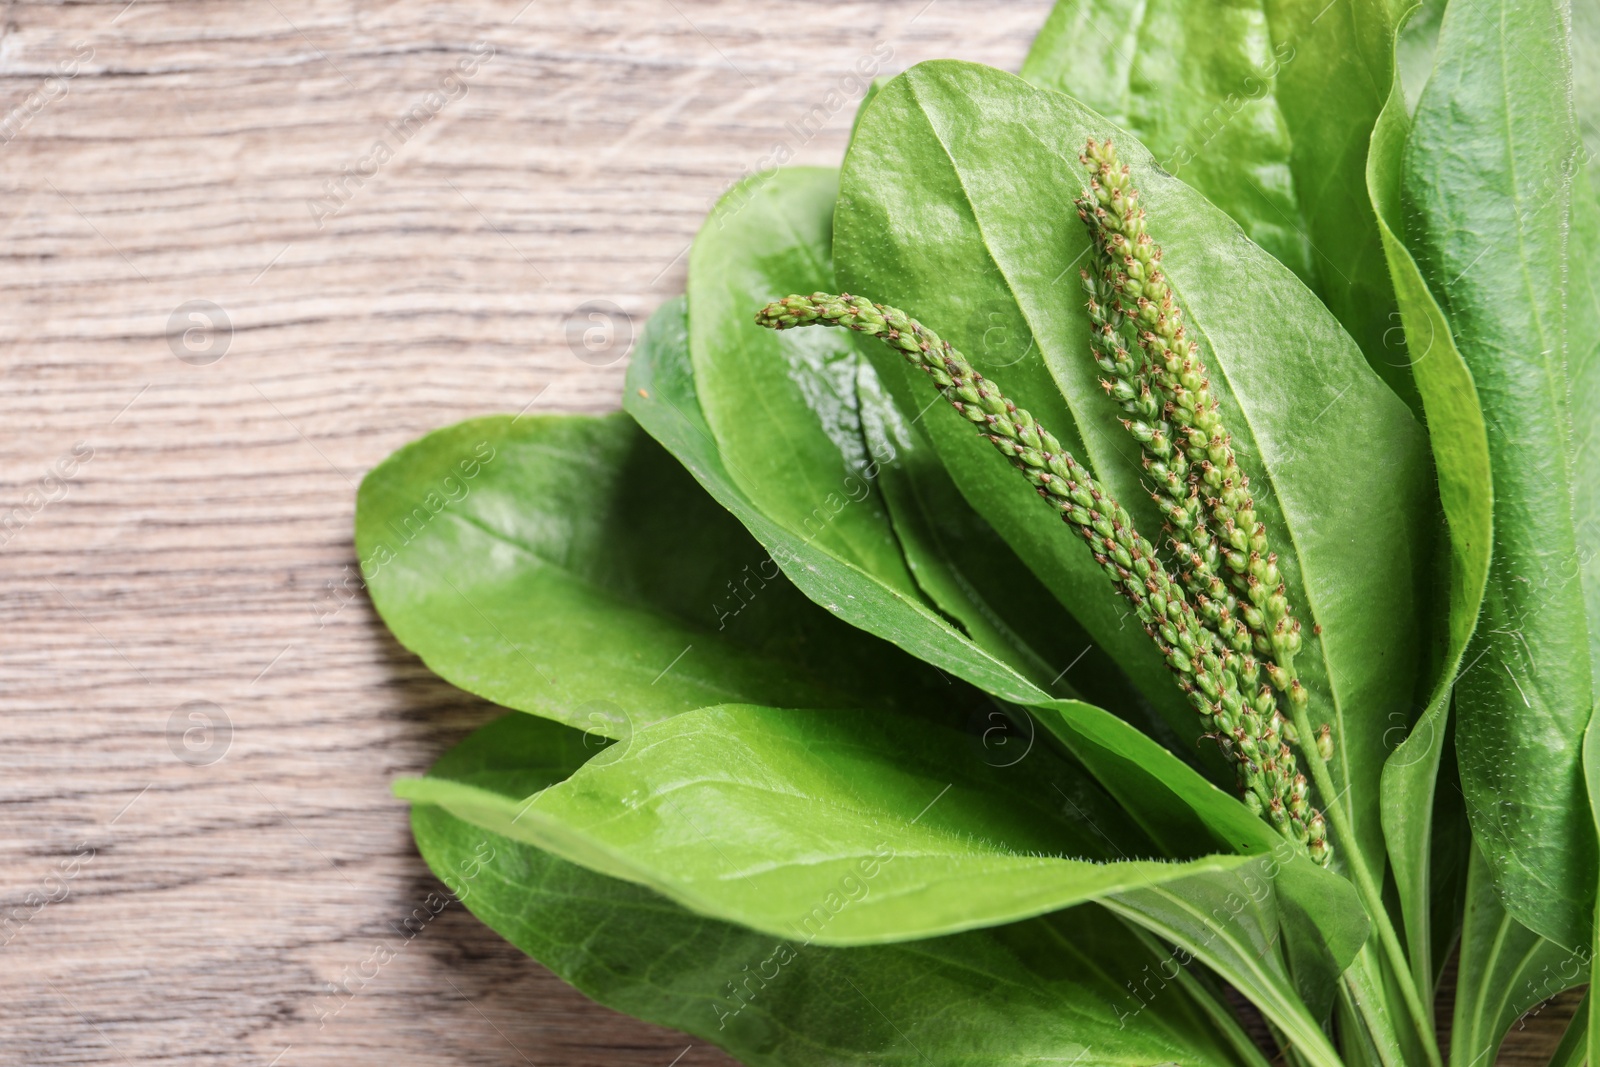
{"type": "Point", "coordinates": [158, 154]}
{"type": "Point", "coordinates": [222, 304]}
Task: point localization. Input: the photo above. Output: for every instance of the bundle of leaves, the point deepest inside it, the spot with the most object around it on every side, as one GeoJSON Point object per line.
{"type": "Point", "coordinates": [1177, 575]}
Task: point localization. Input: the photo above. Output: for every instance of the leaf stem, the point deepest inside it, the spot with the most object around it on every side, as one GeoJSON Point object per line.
{"type": "Point", "coordinates": [1219, 1014]}
{"type": "Point", "coordinates": [1370, 892]}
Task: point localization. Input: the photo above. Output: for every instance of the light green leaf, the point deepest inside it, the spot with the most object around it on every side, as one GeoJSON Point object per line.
{"type": "Point", "coordinates": [782, 407]}
{"type": "Point", "coordinates": [661, 395]}
{"type": "Point", "coordinates": [567, 566]}
{"type": "Point", "coordinates": [1029, 993]}
{"type": "Point", "coordinates": [1266, 107]}
{"type": "Point", "coordinates": [1487, 186]}
{"type": "Point", "coordinates": [1460, 446]}
{"type": "Point", "coordinates": [951, 207]}
{"type": "Point", "coordinates": [1584, 371]}
{"type": "Point", "coordinates": [837, 827]}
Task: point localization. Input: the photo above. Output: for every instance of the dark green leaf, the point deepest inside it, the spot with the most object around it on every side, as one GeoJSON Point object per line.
{"type": "Point", "coordinates": [568, 567]}
{"type": "Point", "coordinates": [1487, 183]}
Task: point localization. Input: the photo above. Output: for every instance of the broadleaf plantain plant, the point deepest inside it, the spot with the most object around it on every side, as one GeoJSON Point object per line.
{"type": "Point", "coordinates": [828, 746]}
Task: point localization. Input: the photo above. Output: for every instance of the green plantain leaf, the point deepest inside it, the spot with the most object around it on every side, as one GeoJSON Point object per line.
{"type": "Point", "coordinates": [568, 567]}
{"type": "Point", "coordinates": [1264, 106]}
{"type": "Point", "coordinates": [782, 407]}
{"type": "Point", "coordinates": [1505, 970]}
{"type": "Point", "coordinates": [1049, 990]}
{"type": "Point", "coordinates": [1460, 445]}
{"type": "Point", "coordinates": [661, 395]}
{"type": "Point", "coordinates": [1175, 806]}
{"type": "Point", "coordinates": [840, 827]}
{"type": "Point", "coordinates": [1584, 370]}
{"type": "Point", "coordinates": [953, 206]}
{"type": "Point", "coordinates": [1487, 185]}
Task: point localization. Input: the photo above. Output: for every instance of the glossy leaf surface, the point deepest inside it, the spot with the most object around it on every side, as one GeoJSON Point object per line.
{"type": "Point", "coordinates": [567, 566]}
{"type": "Point", "coordinates": [1460, 445]}
{"type": "Point", "coordinates": [661, 395]}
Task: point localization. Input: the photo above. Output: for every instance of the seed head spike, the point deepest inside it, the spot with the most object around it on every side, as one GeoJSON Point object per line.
{"type": "Point", "coordinates": [1208, 671]}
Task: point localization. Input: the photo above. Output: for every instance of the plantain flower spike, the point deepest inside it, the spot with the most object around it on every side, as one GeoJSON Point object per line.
{"type": "Point", "coordinates": [1219, 544]}
{"type": "Point", "coordinates": [1210, 670]}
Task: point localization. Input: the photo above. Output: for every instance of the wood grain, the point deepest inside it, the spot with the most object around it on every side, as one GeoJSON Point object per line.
{"type": "Point", "coordinates": [159, 153]}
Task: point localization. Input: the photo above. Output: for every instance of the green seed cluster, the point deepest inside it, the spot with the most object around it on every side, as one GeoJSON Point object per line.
{"type": "Point", "coordinates": [1180, 419]}
{"type": "Point", "coordinates": [1178, 423]}
{"type": "Point", "coordinates": [1176, 489]}
{"type": "Point", "coordinates": [1207, 667]}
